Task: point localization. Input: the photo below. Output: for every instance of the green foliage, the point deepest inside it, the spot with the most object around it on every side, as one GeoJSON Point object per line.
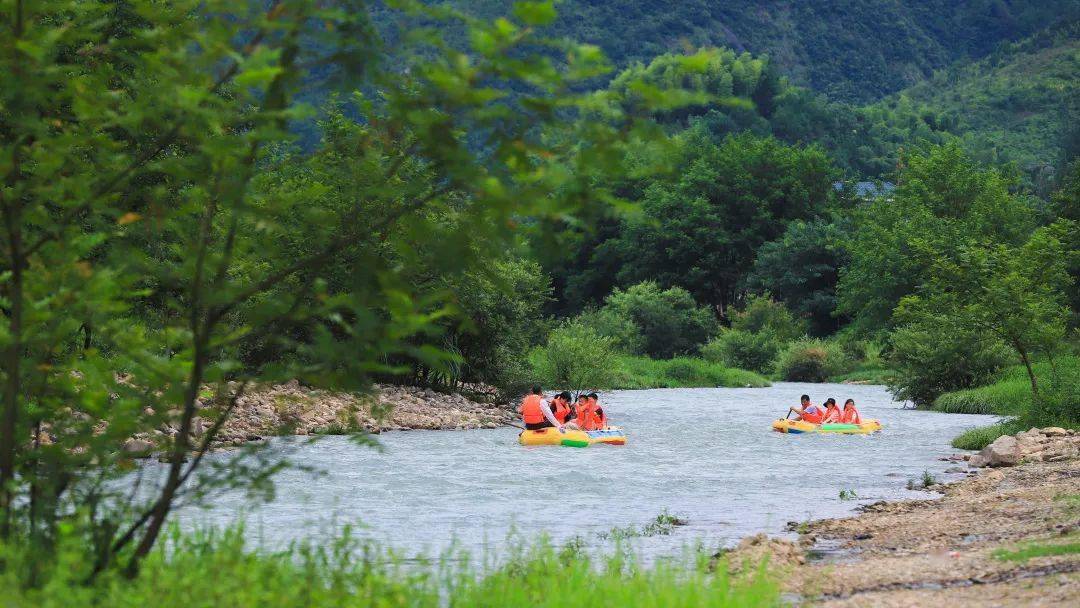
{"type": "Point", "coordinates": [811, 360]}
{"type": "Point", "coordinates": [577, 358]}
{"type": "Point", "coordinates": [842, 49]}
{"type": "Point", "coordinates": [661, 525]}
{"type": "Point", "coordinates": [848, 495]}
{"type": "Point", "coordinates": [163, 236]}
{"type": "Point", "coordinates": [936, 356]}
{"type": "Point", "coordinates": [801, 270]}
{"type": "Point", "coordinates": [615, 324]}
{"type": "Point", "coordinates": [762, 315]}
{"type": "Point", "coordinates": [945, 205]}
{"type": "Point", "coordinates": [208, 570]}
{"type": "Point", "coordinates": [700, 232]}
{"type": "Point", "coordinates": [681, 372]}
{"type": "Point", "coordinates": [980, 437]}
{"type": "Point", "coordinates": [743, 349]}
{"type": "Point", "coordinates": [669, 320]}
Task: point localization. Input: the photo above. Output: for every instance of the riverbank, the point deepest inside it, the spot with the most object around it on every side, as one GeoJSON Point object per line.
{"type": "Point", "coordinates": [1006, 536]}
{"type": "Point", "coordinates": [293, 409]}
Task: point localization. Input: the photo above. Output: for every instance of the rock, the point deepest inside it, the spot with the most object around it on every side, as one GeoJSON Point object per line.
{"type": "Point", "coordinates": [955, 470]}
{"type": "Point", "coordinates": [978, 460]}
{"type": "Point", "coordinates": [1054, 431]}
{"type": "Point", "coordinates": [139, 447]}
{"type": "Point", "coordinates": [1003, 452]}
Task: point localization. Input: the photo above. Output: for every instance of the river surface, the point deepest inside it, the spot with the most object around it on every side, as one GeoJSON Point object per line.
{"type": "Point", "coordinates": [705, 455]}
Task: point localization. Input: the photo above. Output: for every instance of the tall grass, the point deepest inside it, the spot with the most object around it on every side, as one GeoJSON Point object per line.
{"type": "Point", "coordinates": [1010, 395]}
{"type": "Point", "coordinates": [681, 372]}
{"type": "Point", "coordinates": [218, 571]}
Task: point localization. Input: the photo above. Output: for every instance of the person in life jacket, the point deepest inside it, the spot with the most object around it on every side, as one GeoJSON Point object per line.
{"type": "Point", "coordinates": [560, 407]}
{"type": "Point", "coordinates": [599, 417]}
{"type": "Point", "coordinates": [832, 411]}
{"type": "Point", "coordinates": [807, 411]}
{"type": "Point", "coordinates": [850, 414]}
{"type": "Point", "coordinates": [583, 413]}
{"type": "Point", "coordinates": [535, 412]}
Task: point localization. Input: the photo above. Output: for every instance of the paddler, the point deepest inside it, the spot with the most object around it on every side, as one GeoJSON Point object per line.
{"type": "Point", "coordinates": [583, 413]}
{"type": "Point", "coordinates": [536, 413]}
{"type": "Point", "coordinates": [807, 411]}
{"type": "Point", "coordinates": [850, 414]}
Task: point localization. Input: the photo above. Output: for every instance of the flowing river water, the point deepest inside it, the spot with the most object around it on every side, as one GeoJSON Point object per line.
{"type": "Point", "coordinates": [705, 455]}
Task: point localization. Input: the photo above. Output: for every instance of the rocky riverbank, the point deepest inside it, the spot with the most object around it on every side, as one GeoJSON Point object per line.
{"type": "Point", "coordinates": [1006, 536]}
{"type": "Point", "coordinates": [297, 410]}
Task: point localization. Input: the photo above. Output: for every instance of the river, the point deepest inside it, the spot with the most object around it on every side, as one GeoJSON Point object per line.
{"type": "Point", "coordinates": [705, 455]}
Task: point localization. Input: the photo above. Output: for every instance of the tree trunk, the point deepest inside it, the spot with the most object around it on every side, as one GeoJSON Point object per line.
{"type": "Point", "coordinates": [1030, 372]}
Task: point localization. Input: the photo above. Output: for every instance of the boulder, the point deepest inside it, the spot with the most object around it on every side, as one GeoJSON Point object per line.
{"type": "Point", "coordinates": [978, 460]}
{"type": "Point", "coordinates": [1004, 452]}
{"type": "Point", "coordinates": [1054, 431]}
{"type": "Point", "coordinates": [137, 447]}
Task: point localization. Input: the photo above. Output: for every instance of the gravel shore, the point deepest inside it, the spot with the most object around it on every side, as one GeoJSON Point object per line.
{"type": "Point", "coordinates": [962, 549]}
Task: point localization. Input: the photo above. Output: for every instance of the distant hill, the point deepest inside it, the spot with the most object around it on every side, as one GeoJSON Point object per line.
{"type": "Point", "coordinates": [1019, 104]}
{"type": "Point", "coordinates": [852, 50]}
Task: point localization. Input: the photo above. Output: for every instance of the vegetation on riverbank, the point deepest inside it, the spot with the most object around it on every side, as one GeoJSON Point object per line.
{"type": "Point", "coordinates": [219, 570]}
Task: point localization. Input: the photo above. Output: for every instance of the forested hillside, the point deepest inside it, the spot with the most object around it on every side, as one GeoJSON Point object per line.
{"type": "Point", "coordinates": [853, 50]}
{"type": "Point", "coordinates": [1020, 104]}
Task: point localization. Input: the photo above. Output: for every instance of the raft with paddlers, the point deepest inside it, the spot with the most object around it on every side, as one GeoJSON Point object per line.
{"type": "Point", "coordinates": [865, 427]}
{"type": "Point", "coordinates": [573, 438]}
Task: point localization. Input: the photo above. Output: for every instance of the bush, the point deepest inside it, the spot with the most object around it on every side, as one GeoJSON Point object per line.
{"type": "Point", "coordinates": [615, 324]}
{"type": "Point", "coordinates": [811, 360]}
{"type": "Point", "coordinates": [670, 321]}
{"type": "Point", "coordinates": [761, 315]}
{"type": "Point", "coordinates": [929, 361]}
{"type": "Point", "coordinates": [980, 437]}
{"type": "Point", "coordinates": [742, 349]}
{"type": "Point", "coordinates": [576, 357]}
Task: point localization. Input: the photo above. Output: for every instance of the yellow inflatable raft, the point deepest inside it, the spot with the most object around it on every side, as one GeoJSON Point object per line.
{"type": "Point", "coordinates": [798, 426]}
{"type": "Point", "coordinates": [574, 439]}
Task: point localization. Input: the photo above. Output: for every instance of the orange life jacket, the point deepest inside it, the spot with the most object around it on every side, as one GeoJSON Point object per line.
{"type": "Point", "coordinates": [561, 411]}
{"type": "Point", "coordinates": [599, 416]}
{"type": "Point", "coordinates": [851, 416]}
{"type": "Point", "coordinates": [832, 414]}
{"type": "Point", "coordinates": [585, 415]}
{"type": "Point", "coordinates": [812, 417]}
{"type": "Point", "coordinates": [531, 409]}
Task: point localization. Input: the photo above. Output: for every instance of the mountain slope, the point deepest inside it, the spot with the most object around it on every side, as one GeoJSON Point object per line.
{"type": "Point", "coordinates": [1020, 104]}
{"type": "Point", "coordinates": [853, 50]}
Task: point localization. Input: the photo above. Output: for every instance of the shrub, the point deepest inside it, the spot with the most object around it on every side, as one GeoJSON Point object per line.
{"type": "Point", "coordinates": [670, 321]}
{"type": "Point", "coordinates": [980, 437]}
{"type": "Point", "coordinates": [928, 362]}
{"type": "Point", "coordinates": [811, 360]}
{"type": "Point", "coordinates": [681, 372]}
{"type": "Point", "coordinates": [577, 357]}
{"type": "Point", "coordinates": [742, 349]}
{"type": "Point", "coordinates": [761, 315]}
{"type": "Point", "coordinates": [615, 324]}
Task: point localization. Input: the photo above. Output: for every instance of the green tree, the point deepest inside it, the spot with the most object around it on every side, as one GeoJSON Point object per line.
{"type": "Point", "coordinates": [702, 231]}
{"type": "Point", "coordinates": [1015, 295]}
{"type": "Point", "coordinates": [945, 204]}
{"type": "Point", "coordinates": [578, 358]}
{"type": "Point", "coordinates": [801, 269]}
{"type": "Point", "coordinates": [143, 249]}
{"type": "Point", "coordinates": [669, 320]}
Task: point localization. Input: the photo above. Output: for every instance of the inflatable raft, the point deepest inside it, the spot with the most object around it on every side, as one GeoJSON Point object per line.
{"type": "Point", "coordinates": [573, 439]}
{"type": "Point", "coordinates": [798, 426]}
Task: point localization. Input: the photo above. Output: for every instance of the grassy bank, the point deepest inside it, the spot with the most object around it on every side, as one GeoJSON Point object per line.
{"type": "Point", "coordinates": [1010, 396]}
{"type": "Point", "coordinates": [681, 372]}
{"type": "Point", "coordinates": [221, 571]}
